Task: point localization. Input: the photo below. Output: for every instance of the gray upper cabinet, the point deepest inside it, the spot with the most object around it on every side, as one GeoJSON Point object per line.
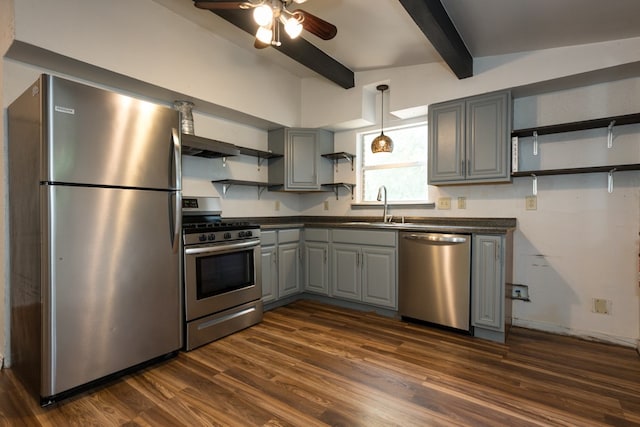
{"type": "Point", "coordinates": [302, 168]}
{"type": "Point", "coordinates": [469, 140]}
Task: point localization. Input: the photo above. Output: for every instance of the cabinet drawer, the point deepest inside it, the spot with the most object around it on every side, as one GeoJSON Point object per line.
{"type": "Point", "coordinates": [292, 235]}
{"type": "Point", "coordinates": [364, 237]}
{"type": "Point", "coordinates": [267, 238]}
{"type": "Point", "coordinates": [316, 234]}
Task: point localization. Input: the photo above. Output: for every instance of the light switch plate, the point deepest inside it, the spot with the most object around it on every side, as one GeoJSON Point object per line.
{"type": "Point", "coordinates": [462, 203]}
{"type": "Point", "coordinates": [531, 203]}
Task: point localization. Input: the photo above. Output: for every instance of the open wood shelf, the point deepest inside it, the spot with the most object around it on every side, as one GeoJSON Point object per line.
{"type": "Point", "coordinates": [627, 119]}
{"type": "Point", "coordinates": [258, 153]}
{"type": "Point", "coordinates": [335, 186]}
{"type": "Point", "coordinates": [227, 183]}
{"type": "Point", "coordinates": [340, 156]}
{"type": "Point", "coordinates": [570, 171]}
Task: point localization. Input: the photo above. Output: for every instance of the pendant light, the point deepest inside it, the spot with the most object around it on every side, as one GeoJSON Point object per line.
{"type": "Point", "coordinates": [382, 143]}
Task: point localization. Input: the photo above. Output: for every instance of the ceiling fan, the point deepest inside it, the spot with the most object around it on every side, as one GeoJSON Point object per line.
{"type": "Point", "coordinates": [270, 15]}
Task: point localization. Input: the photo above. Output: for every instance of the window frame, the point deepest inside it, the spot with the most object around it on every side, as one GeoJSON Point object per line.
{"type": "Point", "coordinates": [361, 168]}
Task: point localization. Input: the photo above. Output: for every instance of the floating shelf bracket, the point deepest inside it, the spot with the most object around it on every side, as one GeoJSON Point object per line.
{"type": "Point", "coordinates": [337, 185]}
{"type": "Point", "coordinates": [610, 134]}
{"type": "Point", "coordinates": [227, 183]}
{"type": "Point", "coordinates": [349, 188]}
{"type": "Point", "coordinates": [535, 184]}
{"type": "Point", "coordinates": [338, 156]}
{"type": "Point", "coordinates": [610, 180]}
{"type": "Point", "coordinates": [225, 188]}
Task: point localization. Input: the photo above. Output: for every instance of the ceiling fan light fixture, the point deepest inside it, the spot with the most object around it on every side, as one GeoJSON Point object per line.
{"type": "Point", "coordinates": [382, 143]}
{"type": "Point", "coordinates": [263, 15]}
{"type": "Point", "coordinates": [264, 34]}
{"type": "Point", "coordinates": [293, 27]}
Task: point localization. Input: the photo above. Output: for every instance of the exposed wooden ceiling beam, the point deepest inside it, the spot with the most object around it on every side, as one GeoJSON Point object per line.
{"type": "Point", "coordinates": [433, 20]}
{"type": "Point", "coordinates": [299, 50]}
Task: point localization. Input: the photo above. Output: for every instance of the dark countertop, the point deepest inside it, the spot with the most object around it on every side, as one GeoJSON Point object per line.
{"type": "Point", "coordinates": [424, 224]}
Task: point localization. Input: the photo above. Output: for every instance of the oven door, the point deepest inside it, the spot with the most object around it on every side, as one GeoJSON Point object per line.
{"type": "Point", "coordinates": [221, 276]}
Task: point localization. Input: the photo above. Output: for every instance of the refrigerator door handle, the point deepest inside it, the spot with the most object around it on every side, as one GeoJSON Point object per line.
{"type": "Point", "coordinates": [177, 158]}
{"type": "Point", "coordinates": [177, 217]}
{"type": "Point", "coordinates": [175, 212]}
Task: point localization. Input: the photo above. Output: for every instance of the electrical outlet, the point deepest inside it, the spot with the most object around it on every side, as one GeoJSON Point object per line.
{"type": "Point", "coordinates": [444, 203]}
{"type": "Point", "coordinates": [601, 306]}
{"type": "Point", "coordinates": [520, 292]}
{"type": "Point", "coordinates": [462, 203]}
{"type": "Point", "coordinates": [531, 203]}
{"type": "Point", "coordinates": [326, 205]}
{"type": "Point", "coordinates": [277, 205]}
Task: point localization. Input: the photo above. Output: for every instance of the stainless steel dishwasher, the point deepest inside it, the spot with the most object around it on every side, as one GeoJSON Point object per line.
{"type": "Point", "coordinates": [434, 278]}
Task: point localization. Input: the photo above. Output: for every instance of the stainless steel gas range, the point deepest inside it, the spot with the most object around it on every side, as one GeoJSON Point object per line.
{"type": "Point", "coordinates": [222, 278]}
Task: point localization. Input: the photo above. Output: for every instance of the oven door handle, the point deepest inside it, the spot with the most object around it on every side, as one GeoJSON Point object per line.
{"type": "Point", "coordinates": [221, 248]}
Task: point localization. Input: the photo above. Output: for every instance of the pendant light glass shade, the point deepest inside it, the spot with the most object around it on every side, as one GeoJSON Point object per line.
{"type": "Point", "coordinates": [382, 143]}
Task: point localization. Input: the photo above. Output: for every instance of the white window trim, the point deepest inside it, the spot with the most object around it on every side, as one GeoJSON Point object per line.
{"type": "Point", "coordinates": [358, 203]}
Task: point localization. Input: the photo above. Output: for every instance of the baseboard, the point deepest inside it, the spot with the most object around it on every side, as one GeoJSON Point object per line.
{"type": "Point", "coordinates": [586, 335]}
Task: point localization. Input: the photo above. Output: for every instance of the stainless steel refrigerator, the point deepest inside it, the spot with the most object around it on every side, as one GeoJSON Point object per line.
{"type": "Point", "coordinates": [94, 220]}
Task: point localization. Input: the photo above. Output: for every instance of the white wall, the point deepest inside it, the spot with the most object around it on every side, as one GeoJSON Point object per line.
{"type": "Point", "coordinates": [587, 237]}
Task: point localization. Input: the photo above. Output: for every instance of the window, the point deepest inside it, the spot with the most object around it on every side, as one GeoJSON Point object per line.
{"type": "Point", "coordinates": [403, 172]}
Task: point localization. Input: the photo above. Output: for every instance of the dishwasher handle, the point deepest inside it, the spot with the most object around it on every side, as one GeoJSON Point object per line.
{"type": "Point", "coordinates": [435, 238]}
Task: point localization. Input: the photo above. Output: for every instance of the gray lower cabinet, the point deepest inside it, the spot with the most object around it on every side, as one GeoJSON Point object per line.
{"type": "Point", "coordinates": [469, 140]}
{"type": "Point", "coordinates": [491, 307]}
{"type": "Point", "coordinates": [316, 261]}
{"type": "Point", "coordinates": [289, 256]}
{"type": "Point", "coordinates": [301, 167]}
{"type": "Point", "coordinates": [364, 269]}
{"type": "Point", "coordinates": [269, 273]}
{"type": "Point", "coordinates": [346, 271]}
{"type": "Point", "coordinates": [281, 267]}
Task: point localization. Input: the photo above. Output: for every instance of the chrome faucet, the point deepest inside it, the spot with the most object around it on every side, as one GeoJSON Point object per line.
{"type": "Point", "coordinates": [383, 190]}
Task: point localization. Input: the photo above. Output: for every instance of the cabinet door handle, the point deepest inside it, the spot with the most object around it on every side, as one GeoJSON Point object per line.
{"type": "Point", "coordinates": [325, 255]}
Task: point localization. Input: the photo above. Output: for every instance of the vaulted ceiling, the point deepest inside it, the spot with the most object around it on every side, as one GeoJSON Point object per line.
{"type": "Point", "coordinates": [374, 34]}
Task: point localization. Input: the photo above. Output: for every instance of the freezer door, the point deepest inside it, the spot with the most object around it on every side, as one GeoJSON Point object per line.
{"type": "Point", "coordinates": [104, 138]}
{"type": "Point", "coordinates": [114, 297]}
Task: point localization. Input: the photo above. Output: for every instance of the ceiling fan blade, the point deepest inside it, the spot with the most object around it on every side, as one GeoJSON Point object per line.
{"type": "Point", "coordinates": [317, 26]}
{"type": "Point", "coordinates": [212, 5]}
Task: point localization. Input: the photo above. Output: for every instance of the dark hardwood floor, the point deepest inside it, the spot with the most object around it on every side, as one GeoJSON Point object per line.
{"type": "Point", "coordinates": [309, 364]}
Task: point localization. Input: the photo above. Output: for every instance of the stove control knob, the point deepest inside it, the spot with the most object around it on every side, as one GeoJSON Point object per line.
{"type": "Point", "coordinates": [202, 237]}
{"type": "Point", "coordinates": [241, 234]}
{"type": "Point", "coordinates": [248, 233]}
{"type": "Point", "coordinates": [227, 235]}
{"type": "Point", "coordinates": [212, 237]}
